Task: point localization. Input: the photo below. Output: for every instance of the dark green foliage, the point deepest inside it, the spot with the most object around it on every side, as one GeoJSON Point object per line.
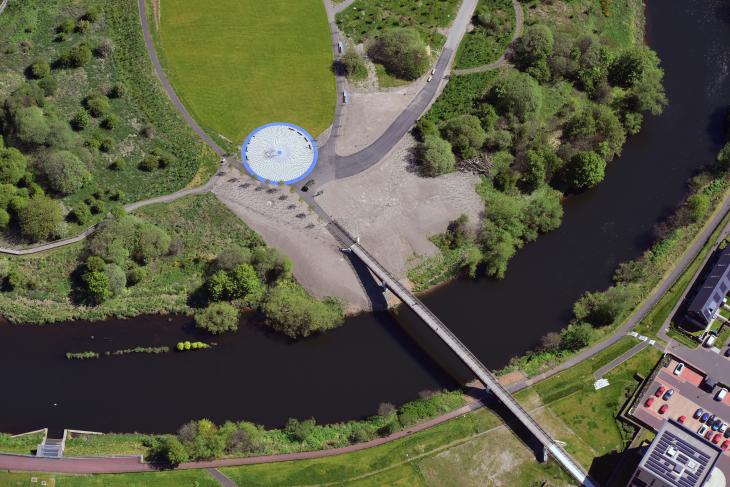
{"type": "Point", "coordinates": [498, 247]}
{"type": "Point", "coordinates": [487, 116]}
{"type": "Point", "coordinates": [13, 165]}
{"type": "Point", "coordinates": [231, 257]}
{"type": "Point", "coordinates": [118, 90]}
{"type": "Point", "coordinates": [169, 451]}
{"type": "Point", "coordinates": [465, 134]}
{"type": "Point", "coordinates": [110, 122]}
{"type": "Point", "coordinates": [118, 165]}
{"type": "Point", "coordinates": [66, 26]}
{"type": "Point", "coordinates": [543, 213]}
{"type": "Point", "coordinates": [698, 204]}
{"type": "Point", "coordinates": [576, 336]}
{"type": "Point", "coordinates": [97, 286]}
{"type": "Point", "coordinates": [604, 308]}
{"type": "Point", "coordinates": [40, 218]}
{"type": "Point", "coordinates": [217, 318]}
{"type": "Point", "coordinates": [515, 93]}
{"type": "Point", "coordinates": [299, 430]}
{"type": "Point", "coordinates": [597, 129]}
{"type": "Point", "coordinates": [81, 213]}
{"type": "Point", "coordinates": [271, 266]}
{"type": "Point", "coordinates": [534, 175]}
{"type": "Point", "coordinates": [290, 310]}
{"type": "Point", "coordinates": [402, 52]}
{"type": "Point", "coordinates": [66, 174]}
{"type": "Point", "coordinates": [425, 127]}
{"type": "Point", "coordinates": [435, 157]}
{"type": "Point", "coordinates": [31, 125]}
{"type": "Point", "coordinates": [49, 85]}
{"type": "Point", "coordinates": [585, 170]}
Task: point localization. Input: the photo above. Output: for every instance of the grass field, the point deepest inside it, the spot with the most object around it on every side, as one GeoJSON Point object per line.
{"type": "Point", "coordinates": [183, 478]}
{"type": "Point", "coordinates": [237, 65]}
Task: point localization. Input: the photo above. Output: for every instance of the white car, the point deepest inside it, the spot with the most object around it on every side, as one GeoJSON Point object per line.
{"type": "Point", "coordinates": [723, 427]}
{"type": "Point", "coordinates": [721, 394]}
{"type": "Point", "coordinates": [679, 368]}
{"type": "Point", "coordinates": [702, 430]}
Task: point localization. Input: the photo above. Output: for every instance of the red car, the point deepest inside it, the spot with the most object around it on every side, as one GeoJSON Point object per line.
{"type": "Point", "coordinates": [649, 402]}
{"type": "Point", "coordinates": [663, 409]}
{"type": "Point", "coordinates": [682, 419]}
{"type": "Point", "coordinates": [708, 435]}
{"type": "Point", "coordinates": [716, 438]}
{"type": "Point", "coordinates": [725, 444]}
{"type": "Point", "coordinates": [660, 391]}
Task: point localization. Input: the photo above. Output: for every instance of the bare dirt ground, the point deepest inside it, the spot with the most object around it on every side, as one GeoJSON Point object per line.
{"type": "Point", "coordinates": [394, 210]}
{"type": "Point", "coordinates": [371, 111]}
{"type": "Point", "coordinates": [285, 223]}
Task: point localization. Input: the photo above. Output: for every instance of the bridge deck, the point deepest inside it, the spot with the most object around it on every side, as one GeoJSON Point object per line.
{"type": "Point", "coordinates": [476, 366]}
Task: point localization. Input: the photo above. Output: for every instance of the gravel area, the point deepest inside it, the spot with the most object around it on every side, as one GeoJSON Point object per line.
{"type": "Point", "coordinates": [394, 210]}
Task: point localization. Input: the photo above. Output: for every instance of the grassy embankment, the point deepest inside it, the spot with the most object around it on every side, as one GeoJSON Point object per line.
{"type": "Point", "coordinates": [145, 119]}
{"type": "Point", "coordinates": [202, 225]}
{"type": "Point", "coordinates": [237, 66]}
{"type": "Point", "coordinates": [494, 24]}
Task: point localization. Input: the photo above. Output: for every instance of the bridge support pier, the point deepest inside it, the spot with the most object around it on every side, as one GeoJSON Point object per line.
{"type": "Point", "coordinates": [544, 454]}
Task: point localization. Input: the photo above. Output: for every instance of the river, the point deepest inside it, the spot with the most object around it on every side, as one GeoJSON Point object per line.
{"type": "Point", "coordinates": [346, 373]}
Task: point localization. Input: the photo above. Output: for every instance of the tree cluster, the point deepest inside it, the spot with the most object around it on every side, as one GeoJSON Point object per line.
{"type": "Point", "coordinates": [402, 52]}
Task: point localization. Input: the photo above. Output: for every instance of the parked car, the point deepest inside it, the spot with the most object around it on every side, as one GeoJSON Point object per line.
{"type": "Point", "coordinates": [668, 394]}
{"type": "Point", "coordinates": [721, 394]}
{"type": "Point", "coordinates": [682, 419]}
{"type": "Point", "coordinates": [649, 402]}
{"type": "Point", "coordinates": [727, 433]}
{"type": "Point", "coordinates": [708, 435]}
{"type": "Point", "coordinates": [702, 430]}
{"type": "Point", "coordinates": [711, 419]}
{"type": "Point", "coordinates": [711, 339]}
{"type": "Point", "coordinates": [727, 352]}
{"type": "Point", "coordinates": [725, 444]}
{"type": "Point", "coordinates": [663, 409]}
{"type": "Point", "coordinates": [698, 413]}
{"type": "Point", "coordinates": [660, 391]}
{"type": "Point", "coordinates": [679, 368]}
{"type": "Point", "coordinates": [704, 417]}
{"type": "Point", "coordinates": [716, 438]}
{"type": "Point", "coordinates": [723, 427]}
{"type": "Point", "coordinates": [716, 425]}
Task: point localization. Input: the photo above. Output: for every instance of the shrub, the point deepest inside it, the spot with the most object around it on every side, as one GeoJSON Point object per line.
{"type": "Point", "coordinates": [116, 277]}
{"type": "Point", "coordinates": [515, 93]}
{"type": "Point", "coordinates": [585, 170]}
{"type": "Point", "coordinates": [354, 65]}
{"type": "Point", "coordinates": [76, 57]}
{"type": "Point", "coordinates": [65, 172]}
{"type": "Point", "coordinates": [118, 165]}
{"type": "Point", "coordinates": [110, 122]}
{"type": "Point", "coordinates": [97, 285]}
{"type": "Point", "coordinates": [106, 144]}
{"type": "Point", "coordinates": [152, 242]}
{"type": "Point", "coordinates": [402, 52]}
{"type": "Point", "coordinates": [105, 48]}
{"type": "Point", "coordinates": [40, 69]}
{"type": "Point", "coordinates": [576, 336]}
{"type": "Point", "coordinates": [81, 120]}
{"type": "Point", "coordinates": [66, 26]}
{"type": "Point", "coordinates": [135, 275]}
{"type": "Point", "coordinates": [81, 213]}
{"type": "Point", "coordinates": [49, 85]}
{"type": "Point", "coordinates": [149, 163]}
{"type": "Point", "coordinates": [13, 165]}
{"type": "Point", "coordinates": [83, 26]}
{"type": "Point", "coordinates": [217, 318]}
{"type": "Point", "coordinates": [31, 125]}
{"type": "Point", "coordinates": [97, 105]}
{"type": "Point", "coordinates": [117, 90]}
{"type": "Point", "coordinates": [92, 14]}
{"type": "Point", "coordinates": [40, 218]}
{"type": "Point", "coordinates": [168, 450]}
{"type": "Point", "coordinates": [465, 134]}
{"type": "Point", "coordinates": [435, 156]}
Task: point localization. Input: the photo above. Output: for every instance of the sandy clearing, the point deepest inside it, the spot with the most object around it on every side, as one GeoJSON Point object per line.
{"type": "Point", "coordinates": [287, 225]}
{"type": "Point", "coordinates": [394, 211]}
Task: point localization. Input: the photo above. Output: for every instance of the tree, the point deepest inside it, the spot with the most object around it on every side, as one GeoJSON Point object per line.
{"type": "Point", "coordinates": [13, 165]}
{"type": "Point", "coordinates": [246, 284]}
{"type": "Point", "coordinates": [40, 218]}
{"type": "Point", "coordinates": [549, 342]}
{"type": "Point", "coordinates": [81, 120]}
{"type": "Point", "coordinates": [97, 105]}
{"type": "Point", "coordinates": [402, 52]}
{"type": "Point", "coordinates": [698, 204]}
{"type": "Point", "coordinates": [629, 67]}
{"type": "Point", "coordinates": [110, 122]}
{"type": "Point", "coordinates": [498, 247]}
{"type": "Point", "coordinates": [515, 93]}
{"type": "Point", "coordinates": [533, 49]}
{"type": "Point", "coordinates": [169, 451]}
{"type": "Point", "coordinates": [487, 116]}
{"type": "Point", "coordinates": [60, 135]}
{"type": "Point", "coordinates": [605, 308]}
{"type": "Point", "coordinates": [81, 213]}
{"type": "Point", "coordinates": [354, 65]}
{"type": "Point", "coordinates": [534, 174]}
{"type": "Point", "coordinates": [40, 69]}
{"type": "Point", "coordinates": [576, 336]}
{"type": "Point", "coordinates": [49, 85]}
{"type": "Point", "coordinates": [270, 265]}
{"type": "Point", "coordinates": [104, 48]}
{"type": "Point", "coordinates": [65, 172]}
{"type": "Point", "coordinates": [465, 134]}
{"type": "Point", "coordinates": [31, 126]}
{"type": "Point", "coordinates": [220, 286]}
{"type": "Point", "coordinates": [116, 277]}
{"type": "Point", "coordinates": [97, 285]}
{"type": "Point", "coordinates": [300, 430]}
{"type": "Point", "coordinates": [152, 242]}
{"type": "Point", "coordinates": [217, 318]}
{"type": "Point", "coordinates": [232, 256]}
{"type": "Point", "coordinates": [435, 156]}
{"type": "Point", "coordinates": [543, 213]}
{"type": "Point", "coordinates": [585, 170]}
{"type": "Point", "coordinates": [290, 310]}
{"type": "Point", "coordinates": [4, 219]}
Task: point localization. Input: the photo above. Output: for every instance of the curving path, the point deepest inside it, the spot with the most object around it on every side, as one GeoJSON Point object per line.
{"type": "Point", "coordinates": [502, 61]}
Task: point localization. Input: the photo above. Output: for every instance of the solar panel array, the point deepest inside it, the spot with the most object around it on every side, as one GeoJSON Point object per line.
{"type": "Point", "coordinates": [676, 470]}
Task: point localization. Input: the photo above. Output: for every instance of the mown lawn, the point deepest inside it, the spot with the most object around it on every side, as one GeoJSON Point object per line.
{"type": "Point", "coordinates": [182, 478]}
{"type": "Point", "coordinates": [238, 65]}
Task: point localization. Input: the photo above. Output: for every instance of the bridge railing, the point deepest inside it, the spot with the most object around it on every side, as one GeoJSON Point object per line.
{"type": "Point", "coordinates": [476, 365]}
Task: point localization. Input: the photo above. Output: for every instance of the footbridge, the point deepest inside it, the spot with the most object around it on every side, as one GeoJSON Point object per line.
{"type": "Point", "coordinates": [551, 447]}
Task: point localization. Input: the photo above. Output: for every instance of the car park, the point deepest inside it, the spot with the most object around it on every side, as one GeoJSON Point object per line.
{"type": "Point", "coordinates": [721, 394]}
{"type": "Point", "coordinates": [679, 368]}
{"type": "Point", "coordinates": [668, 394]}
{"type": "Point", "coordinates": [702, 430]}
{"type": "Point", "coordinates": [663, 409]}
{"type": "Point", "coordinates": [682, 419]}
{"type": "Point", "coordinates": [660, 391]}
{"type": "Point", "coordinates": [704, 417]}
{"type": "Point", "coordinates": [698, 413]}
{"type": "Point", "coordinates": [649, 402]}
